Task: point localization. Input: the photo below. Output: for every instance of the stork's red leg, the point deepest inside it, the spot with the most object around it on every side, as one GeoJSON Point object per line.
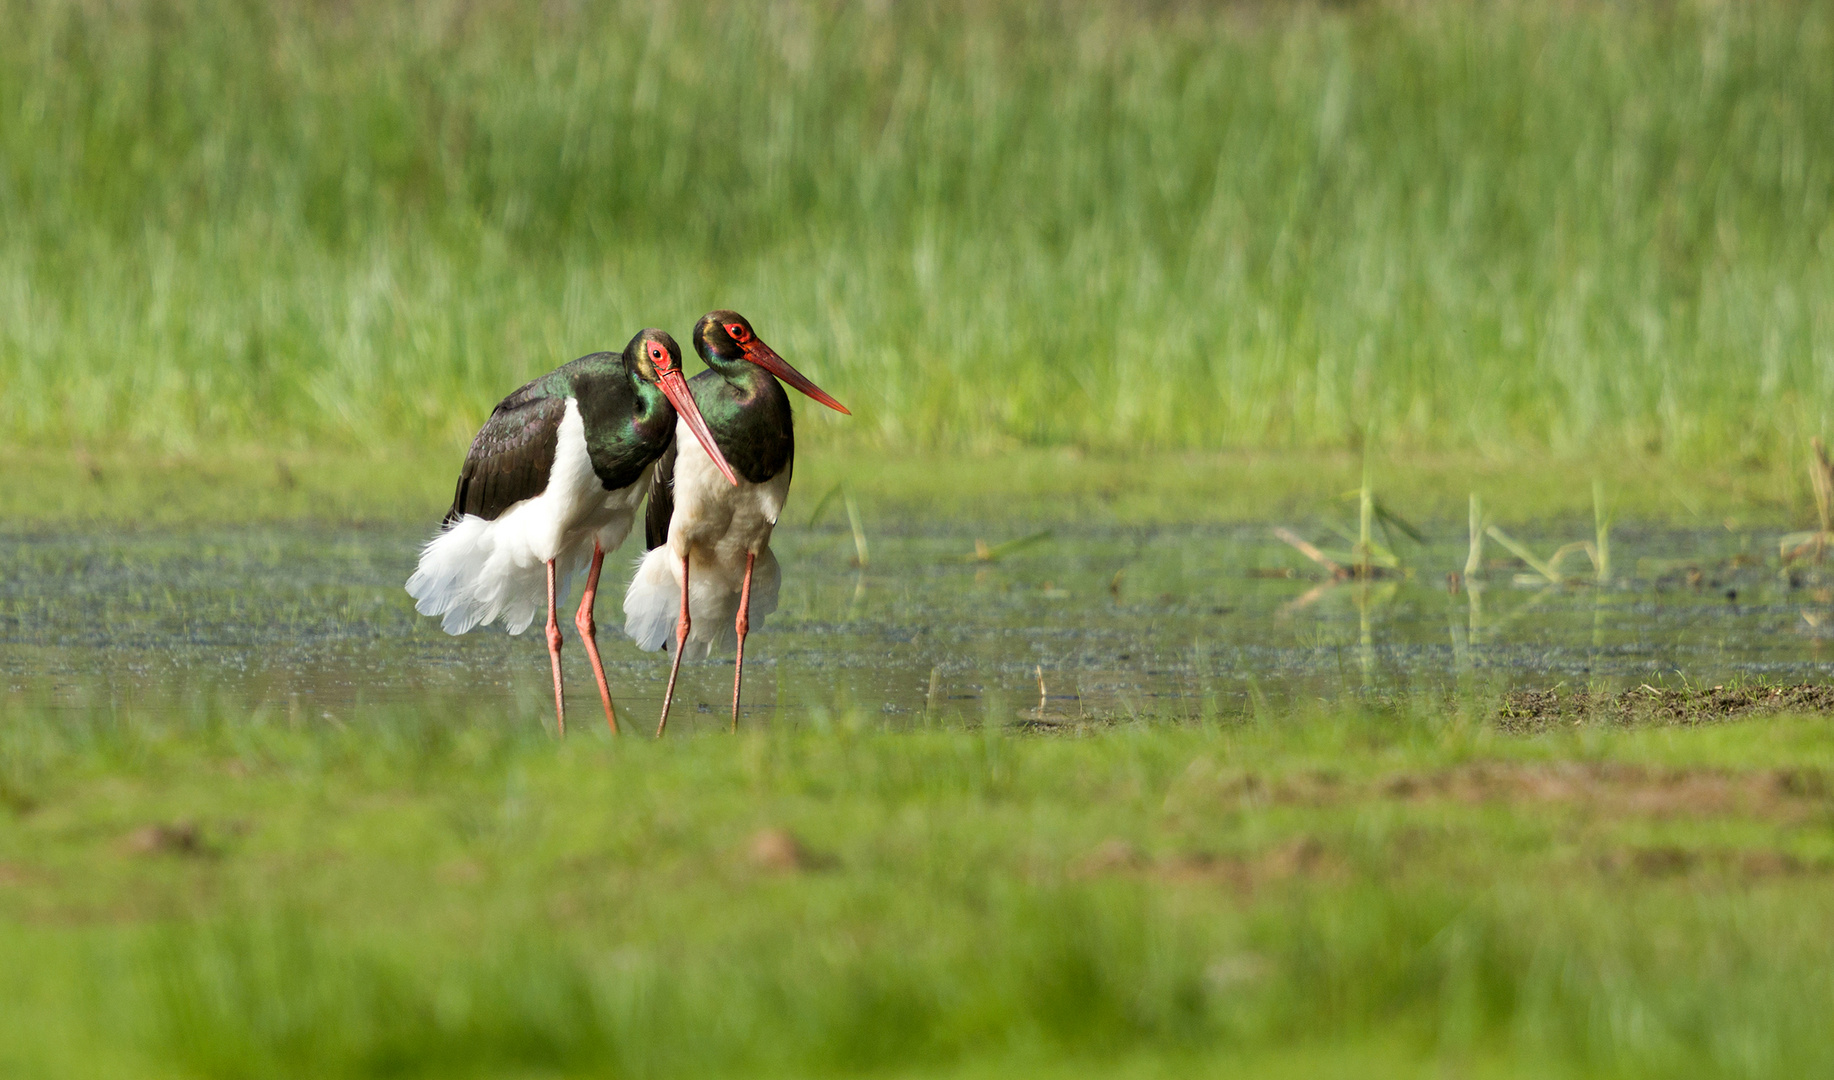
{"type": "Point", "coordinates": [589, 633]}
{"type": "Point", "coordinates": [560, 701]}
{"type": "Point", "coordinates": [742, 624]}
{"type": "Point", "coordinates": [681, 644]}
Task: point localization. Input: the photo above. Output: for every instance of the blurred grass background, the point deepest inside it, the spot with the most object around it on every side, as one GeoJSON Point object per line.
{"type": "Point", "coordinates": [1582, 229]}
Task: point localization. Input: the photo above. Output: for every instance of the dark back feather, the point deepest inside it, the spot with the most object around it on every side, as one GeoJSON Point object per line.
{"type": "Point", "coordinates": [512, 456]}
{"type": "Point", "coordinates": [662, 502]}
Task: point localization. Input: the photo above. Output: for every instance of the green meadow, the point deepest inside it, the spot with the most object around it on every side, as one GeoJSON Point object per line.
{"type": "Point", "coordinates": [1353, 892]}
{"type": "Point", "coordinates": [1097, 265]}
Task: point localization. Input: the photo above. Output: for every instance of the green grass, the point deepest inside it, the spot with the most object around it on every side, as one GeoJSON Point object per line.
{"type": "Point", "coordinates": [1383, 891]}
{"type": "Point", "coordinates": [1143, 262]}
{"type": "Point", "coordinates": [1521, 229]}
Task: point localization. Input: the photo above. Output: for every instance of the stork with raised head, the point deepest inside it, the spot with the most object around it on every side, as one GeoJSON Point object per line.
{"type": "Point", "coordinates": [554, 478]}
{"type": "Point", "coordinates": [710, 570]}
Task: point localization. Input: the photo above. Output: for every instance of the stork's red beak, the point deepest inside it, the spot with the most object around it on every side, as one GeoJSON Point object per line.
{"type": "Point", "coordinates": [676, 389]}
{"type": "Point", "coordinates": [766, 357]}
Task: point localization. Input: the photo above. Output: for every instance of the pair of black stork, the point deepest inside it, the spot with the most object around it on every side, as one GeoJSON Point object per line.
{"type": "Point", "coordinates": [555, 478]}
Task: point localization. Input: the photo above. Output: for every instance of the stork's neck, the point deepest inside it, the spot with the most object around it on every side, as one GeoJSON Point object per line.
{"type": "Point", "coordinates": [653, 415]}
{"type": "Point", "coordinates": [734, 369]}
{"type": "Point", "coordinates": [749, 415]}
{"type": "Point", "coordinates": [746, 384]}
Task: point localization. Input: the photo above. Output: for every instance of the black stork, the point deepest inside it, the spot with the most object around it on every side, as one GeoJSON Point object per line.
{"type": "Point", "coordinates": [558, 472]}
{"type": "Point", "coordinates": [722, 532]}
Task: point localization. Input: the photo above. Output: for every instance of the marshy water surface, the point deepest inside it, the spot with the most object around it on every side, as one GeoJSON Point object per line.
{"type": "Point", "coordinates": [310, 623]}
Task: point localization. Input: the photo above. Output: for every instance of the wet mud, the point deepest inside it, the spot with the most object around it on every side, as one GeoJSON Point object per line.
{"type": "Point", "coordinates": [964, 623]}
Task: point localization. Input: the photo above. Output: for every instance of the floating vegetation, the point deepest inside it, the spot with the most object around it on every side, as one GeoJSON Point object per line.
{"type": "Point", "coordinates": [1367, 557]}
{"type": "Point", "coordinates": [1550, 568]}
{"type": "Point", "coordinates": [986, 553]}
{"type": "Point", "coordinates": [1813, 545]}
{"type": "Point", "coordinates": [862, 556]}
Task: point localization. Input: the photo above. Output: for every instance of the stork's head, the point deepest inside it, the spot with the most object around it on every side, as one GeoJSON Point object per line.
{"type": "Point", "coordinates": [655, 357]}
{"type": "Point", "coordinates": [725, 337]}
{"type": "Point", "coordinates": [653, 354]}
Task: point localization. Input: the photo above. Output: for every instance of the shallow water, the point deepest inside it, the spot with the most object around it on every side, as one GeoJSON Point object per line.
{"type": "Point", "coordinates": [311, 623]}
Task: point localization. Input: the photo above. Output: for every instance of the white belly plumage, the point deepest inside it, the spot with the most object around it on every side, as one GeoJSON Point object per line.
{"type": "Point", "coordinates": [715, 524]}
{"type": "Point", "coordinates": [477, 571]}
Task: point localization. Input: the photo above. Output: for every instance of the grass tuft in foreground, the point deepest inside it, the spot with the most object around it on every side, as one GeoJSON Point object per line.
{"type": "Point", "coordinates": [1366, 892]}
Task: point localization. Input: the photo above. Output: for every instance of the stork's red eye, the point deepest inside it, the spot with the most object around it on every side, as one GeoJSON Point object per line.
{"type": "Point", "coordinates": [739, 332]}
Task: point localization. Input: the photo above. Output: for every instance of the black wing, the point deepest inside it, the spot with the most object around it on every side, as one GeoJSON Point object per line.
{"type": "Point", "coordinates": [662, 502]}
{"type": "Point", "coordinates": [512, 456]}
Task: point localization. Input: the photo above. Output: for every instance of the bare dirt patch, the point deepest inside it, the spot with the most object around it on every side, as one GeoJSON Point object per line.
{"type": "Point", "coordinates": [177, 838]}
{"type": "Point", "coordinates": [781, 851]}
{"type": "Point", "coordinates": [1529, 711]}
{"type": "Point", "coordinates": [1623, 790]}
{"type": "Point", "coordinates": [1619, 789]}
{"type": "Point", "coordinates": [1673, 861]}
{"type": "Point", "coordinates": [1242, 872]}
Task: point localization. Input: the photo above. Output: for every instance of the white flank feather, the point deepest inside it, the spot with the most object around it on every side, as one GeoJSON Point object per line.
{"type": "Point", "coordinates": [473, 573]}
{"type": "Point", "coordinates": [715, 523]}
{"type": "Point", "coordinates": [476, 571]}
{"type": "Point", "coordinates": [653, 603]}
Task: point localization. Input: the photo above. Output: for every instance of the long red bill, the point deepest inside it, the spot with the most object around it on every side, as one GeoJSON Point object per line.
{"type": "Point", "coordinates": [766, 357]}
{"type": "Point", "coordinates": [676, 389]}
